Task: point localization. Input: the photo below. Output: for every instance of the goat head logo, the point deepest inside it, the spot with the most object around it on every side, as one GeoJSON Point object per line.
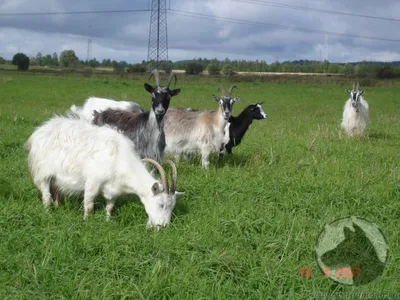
{"type": "Point", "coordinates": [352, 251]}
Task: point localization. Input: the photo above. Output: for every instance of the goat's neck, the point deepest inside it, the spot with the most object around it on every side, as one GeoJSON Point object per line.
{"type": "Point", "coordinates": [243, 121]}
{"type": "Point", "coordinates": [220, 121]}
{"type": "Point", "coordinates": [138, 180]}
{"type": "Point", "coordinates": [154, 122]}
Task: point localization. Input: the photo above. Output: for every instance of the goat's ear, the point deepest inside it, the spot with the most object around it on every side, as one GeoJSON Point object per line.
{"type": "Point", "coordinates": [236, 99]}
{"type": "Point", "coordinates": [156, 189]}
{"type": "Point", "coordinates": [148, 88]}
{"type": "Point", "coordinates": [216, 98]}
{"type": "Point", "coordinates": [97, 118]}
{"type": "Point", "coordinates": [175, 92]}
{"type": "Point", "coordinates": [179, 193]}
{"type": "Point", "coordinates": [347, 233]}
{"type": "Point", "coordinates": [348, 92]}
{"type": "Point", "coordinates": [361, 92]}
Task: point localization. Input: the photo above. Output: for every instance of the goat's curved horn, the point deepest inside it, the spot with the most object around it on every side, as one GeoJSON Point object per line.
{"type": "Point", "coordinates": [357, 85]}
{"type": "Point", "coordinates": [161, 170]}
{"type": "Point", "coordinates": [221, 88]}
{"type": "Point", "coordinates": [172, 75]}
{"type": "Point", "coordinates": [230, 90]}
{"type": "Point", "coordinates": [174, 176]}
{"type": "Point", "coordinates": [354, 86]}
{"type": "Point", "coordinates": [156, 76]}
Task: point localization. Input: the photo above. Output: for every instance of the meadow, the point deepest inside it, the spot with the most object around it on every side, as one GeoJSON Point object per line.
{"type": "Point", "coordinates": [244, 227]}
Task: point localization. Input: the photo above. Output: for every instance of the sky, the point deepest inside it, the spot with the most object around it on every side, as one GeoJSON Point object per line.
{"type": "Point", "coordinates": [125, 36]}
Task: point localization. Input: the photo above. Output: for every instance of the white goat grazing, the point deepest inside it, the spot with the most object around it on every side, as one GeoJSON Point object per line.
{"type": "Point", "coordinates": [355, 113]}
{"type": "Point", "coordinates": [71, 156]}
{"type": "Point", "coordinates": [204, 131]}
{"type": "Point", "coordinates": [102, 104]}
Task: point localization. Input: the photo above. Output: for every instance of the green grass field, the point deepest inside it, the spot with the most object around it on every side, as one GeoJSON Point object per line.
{"type": "Point", "coordinates": [245, 226]}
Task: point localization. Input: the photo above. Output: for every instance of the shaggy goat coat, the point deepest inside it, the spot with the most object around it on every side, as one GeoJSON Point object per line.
{"type": "Point", "coordinates": [79, 157]}
{"type": "Point", "coordinates": [144, 129]}
{"type": "Point", "coordinates": [355, 119]}
{"type": "Point", "coordinates": [101, 104]}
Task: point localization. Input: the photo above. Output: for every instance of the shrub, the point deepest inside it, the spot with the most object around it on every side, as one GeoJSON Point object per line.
{"type": "Point", "coordinates": [21, 61]}
{"type": "Point", "coordinates": [193, 68]}
{"type": "Point", "coordinates": [227, 69]}
{"type": "Point", "coordinates": [137, 68]}
{"type": "Point", "coordinates": [213, 69]}
{"type": "Point", "coordinates": [385, 72]}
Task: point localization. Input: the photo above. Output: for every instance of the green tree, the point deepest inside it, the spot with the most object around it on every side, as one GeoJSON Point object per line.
{"type": "Point", "coordinates": [2, 61]}
{"type": "Point", "coordinates": [348, 69]}
{"type": "Point", "coordinates": [68, 58]}
{"type": "Point", "coordinates": [39, 59]}
{"type": "Point", "coordinates": [385, 72]}
{"type": "Point", "coordinates": [55, 61]}
{"type": "Point", "coordinates": [213, 68]}
{"type": "Point", "coordinates": [47, 60]}
{"type": "Point", "coordinates": [194, 68]}
{"type": "Point", "coordinates": [227, 69]}
{"type": "Point", "coordinates": [21, 61]}
{"type": "Point", "coordinates": [93, 63]}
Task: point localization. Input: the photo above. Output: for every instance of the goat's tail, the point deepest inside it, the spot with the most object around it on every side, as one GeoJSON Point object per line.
{"type": "Point", "coordinates": [76, 109]}
{"type": "Point", "coordinates": [28, 144]}
{"type": "Point", "coordinates": [75, 112]}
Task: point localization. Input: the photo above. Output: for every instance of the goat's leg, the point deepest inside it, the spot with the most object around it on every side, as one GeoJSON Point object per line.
{"type": "Point", "coordinates": [44, 187]}
{"type": "Point", "coordinates": [205, 158]}
{"type": "Point", "coordinates": [110, 205]}
{"type": "Point", "coordinates": [55, 193]}
{"type": "Point", "coordinates": [229, 150]}
{"type": "Point", "coordinates": [91, 191]}
{"type": "Point", "coordinates": [221, 152]}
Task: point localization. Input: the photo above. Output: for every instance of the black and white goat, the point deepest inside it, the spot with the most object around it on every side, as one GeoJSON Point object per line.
{"type": "Point", "coordinates": [239, 126]}
{"type": "Point", "coordinates": [71, 156]}
{"type": "Point", "coordinates": [355, 112]}
{"type": "Point", "coordinates": [189, 131]}
{"type": "Point", "coordinates": [146, 129]}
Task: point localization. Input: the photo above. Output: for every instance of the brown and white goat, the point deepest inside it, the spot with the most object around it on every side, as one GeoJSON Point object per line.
{"type": "Point", "coordinates": [188, 131]}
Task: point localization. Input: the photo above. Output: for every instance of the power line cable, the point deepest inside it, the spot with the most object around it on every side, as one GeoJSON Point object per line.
{"type": "Point", "coordinates": [326, 11]}
{"type": "Point", "coordinates": [71, 12]}
{"type": "Point", "coordinates": [283, 27]}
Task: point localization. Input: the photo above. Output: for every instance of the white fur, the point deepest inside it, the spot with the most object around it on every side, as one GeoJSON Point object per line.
{"type": "Point", "coordinates": [101, 104]}
{"type": "Point", "coordinates": [355, 123]}
{"type": "Point", "coordinates": [81, 157]}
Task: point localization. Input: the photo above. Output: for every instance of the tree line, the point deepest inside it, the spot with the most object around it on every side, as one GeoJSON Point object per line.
{"type": "Point", "coordinates": [68, 59]}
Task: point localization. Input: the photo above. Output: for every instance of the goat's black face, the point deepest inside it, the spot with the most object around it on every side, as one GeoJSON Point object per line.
{"type": "Point", "coordinates": [161, 97]}
{"type": "Point", "coordinates": [226, 104]}
{"type": "Point", "coordinates": [256, 111]}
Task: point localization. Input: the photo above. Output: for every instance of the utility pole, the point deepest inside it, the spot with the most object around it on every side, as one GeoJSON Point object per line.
{"type": "Point", "coordinates": [158, 34]}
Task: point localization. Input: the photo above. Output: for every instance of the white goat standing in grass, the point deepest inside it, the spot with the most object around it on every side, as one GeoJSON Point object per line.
{"type": "Point", "coordinates": [355, 113]}
{"type": "Point", "coordinates": [70, 156]}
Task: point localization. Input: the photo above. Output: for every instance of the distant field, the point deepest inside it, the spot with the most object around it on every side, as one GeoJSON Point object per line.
{"type": "Point", "coordinates": [243, 229]}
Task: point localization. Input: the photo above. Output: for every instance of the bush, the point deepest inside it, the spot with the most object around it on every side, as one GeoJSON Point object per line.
{"type": "Point", "coordinates": [213, 69]}
{"type": "Point", "coordinates": [21, 61]}
{"type": "Point", "coordinates": [227, 69]}
{"type": "Point", "coordinates": [137, 68]}
{"type": "Point", "coordinates": [193, 68]}
{"type": "Point", "coordinates": [385, 72]}
{"type": "Point", "coordinates": [68, 58]}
